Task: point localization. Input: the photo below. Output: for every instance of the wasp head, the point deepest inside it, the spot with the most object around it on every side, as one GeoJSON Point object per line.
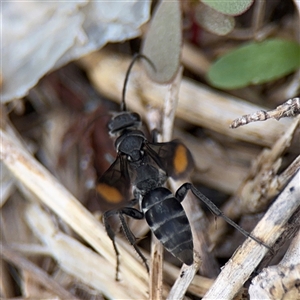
{"type": "Point", "coordinates": [122, 121]}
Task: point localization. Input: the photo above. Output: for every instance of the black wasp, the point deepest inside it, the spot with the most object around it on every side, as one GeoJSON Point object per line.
{"type": "Point", "coordinates": [145, 166]}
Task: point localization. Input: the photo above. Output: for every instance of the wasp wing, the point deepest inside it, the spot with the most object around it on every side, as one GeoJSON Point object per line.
{"type": "Point", "coordinates": [114, 185]}
{"type": "Point", "coordinates": [173, 157]}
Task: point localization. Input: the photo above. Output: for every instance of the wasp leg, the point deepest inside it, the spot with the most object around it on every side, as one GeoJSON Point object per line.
{"type": "Point", "coordinates": [135, 214]}
{"type": "Point", "coordinates": [181, 193]}
{"type": "Point", "coordinates": [112, 235]}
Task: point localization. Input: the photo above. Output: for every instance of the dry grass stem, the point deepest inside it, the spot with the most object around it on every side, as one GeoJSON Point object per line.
{"type": "Point", "coordinates": [37, 273]}
{"type": "Point", "coordinates": [280, 281]}
{"type": "Point", "coordinates": [277, 282]}
{"type": "Point", "coordinates": [199, 286]}
{"type": "Point", "coordinates": [74, 258]}
{"type": "Point", "coordinates": [291, 108]}
{"type": "Point", "coordinates": [168, 115]}
{"type": "Point", "coordinates": [261, 183]}
{"type": "Point", "coordinates": [242, 264]}
{"type": "Point", "coordinates": [194, 60]}
{"type": "Point", "coordinates": [50, 192]}
{"type": "Point", "coordinates": [184, 280]}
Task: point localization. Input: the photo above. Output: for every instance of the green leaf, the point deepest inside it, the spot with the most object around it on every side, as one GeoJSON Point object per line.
{"type": "Point", "coordinates": [163, 42]}
{"type": "Point", "coordinates": [255, 63]}
{"type": "Point", "coordinates": [229, 7]}
{"type": "Point", "coordinates": [213, 21]}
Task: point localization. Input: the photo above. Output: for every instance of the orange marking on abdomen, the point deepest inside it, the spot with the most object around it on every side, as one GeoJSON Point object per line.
{"type": "Point", "coordinates": [109, 193]}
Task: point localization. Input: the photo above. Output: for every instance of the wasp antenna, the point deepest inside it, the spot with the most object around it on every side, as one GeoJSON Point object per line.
{"type": "Point", "coordinates": [135, 58]}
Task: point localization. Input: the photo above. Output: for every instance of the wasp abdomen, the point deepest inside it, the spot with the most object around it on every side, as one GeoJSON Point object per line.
{"type": "Point", "coordinates": [169, 223]}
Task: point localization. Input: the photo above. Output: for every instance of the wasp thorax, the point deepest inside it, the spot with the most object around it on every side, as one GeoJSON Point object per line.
{"type": "Point", "coordinates": [130, 143]}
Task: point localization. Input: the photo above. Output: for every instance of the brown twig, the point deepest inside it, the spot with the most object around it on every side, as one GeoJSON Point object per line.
{"type": "Point", "coordinates": [291, 108]}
